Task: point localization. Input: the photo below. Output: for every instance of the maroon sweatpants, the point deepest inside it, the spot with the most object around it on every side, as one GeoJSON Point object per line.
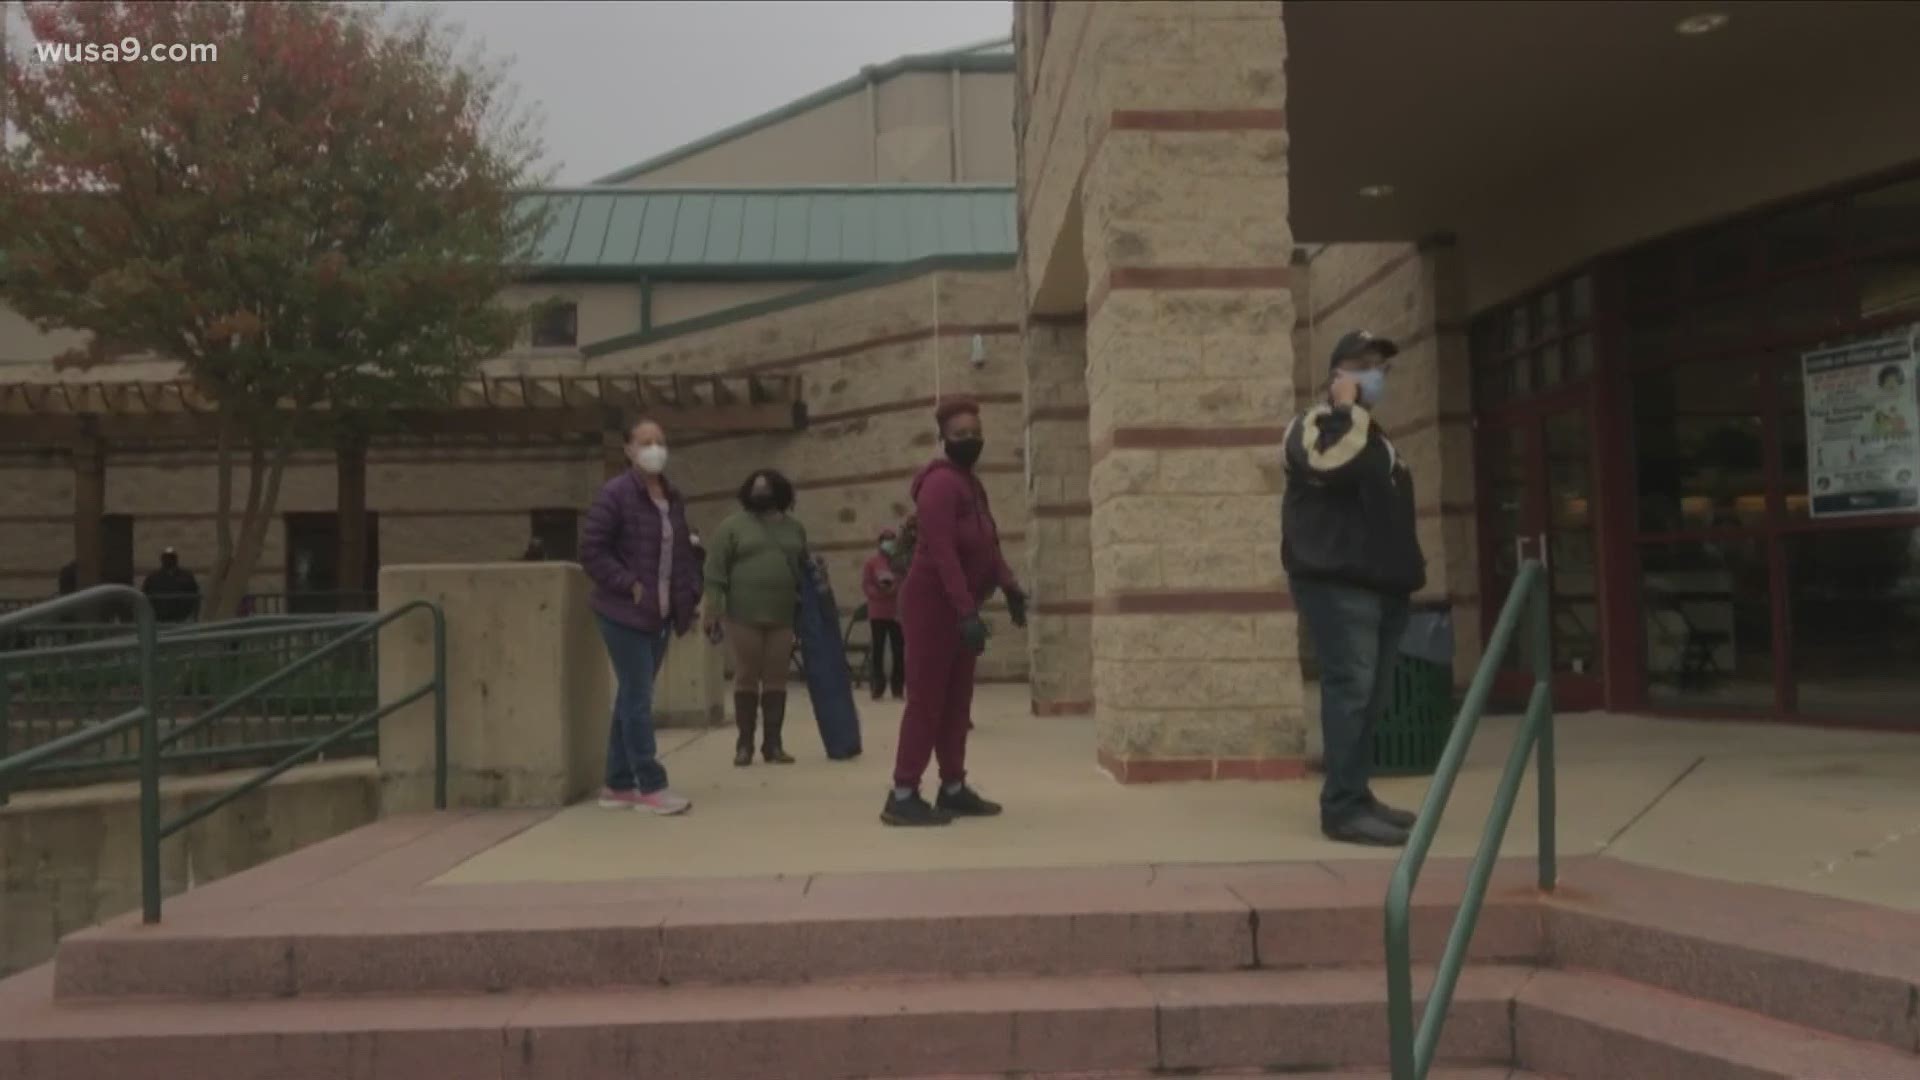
{"type": "Point", "coordinates": [939, 710]}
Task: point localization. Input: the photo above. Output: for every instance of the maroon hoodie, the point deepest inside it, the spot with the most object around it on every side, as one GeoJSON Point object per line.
{"type": "Point", "coordinates": [956, 558]}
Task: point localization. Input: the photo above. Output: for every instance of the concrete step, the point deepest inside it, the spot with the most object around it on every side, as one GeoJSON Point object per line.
{"type": "Point", "coordinates": [448, 940]}
{"type": "Point", "coordinates": [1439, 1073]}
{"type": "Point", "coordinates": [1289, 1022]}
{"type": "Point", "coordinates": [1600, 1027]}
{"type": "Point", "coordinates": [1847, 969]}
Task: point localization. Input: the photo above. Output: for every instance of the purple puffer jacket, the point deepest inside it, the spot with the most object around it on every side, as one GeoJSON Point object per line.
{"type": "Point", "coordinates": [620, 544]}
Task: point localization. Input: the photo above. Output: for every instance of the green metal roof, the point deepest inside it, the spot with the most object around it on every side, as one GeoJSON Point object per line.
{"type": "Point", "coordinates": [738, 233]}
{"type": "Point", "coordinates": [994, 55]}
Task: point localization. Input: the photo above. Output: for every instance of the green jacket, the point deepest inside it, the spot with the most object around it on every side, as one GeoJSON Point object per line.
{"type": "Point", "coordinates": [753, 568]}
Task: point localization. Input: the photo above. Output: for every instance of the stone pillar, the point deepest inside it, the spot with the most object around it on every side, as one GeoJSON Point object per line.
{"type": "Point", "coordinates": [1190, 382]}
{"type": "Point", "coordinates": [529, 686]}
{"type": "Point", "coordinates": [1058, 516]}
{"type": "Point", "coordinates": [89, 511]}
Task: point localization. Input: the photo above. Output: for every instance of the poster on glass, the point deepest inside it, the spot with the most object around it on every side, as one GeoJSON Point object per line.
{"type": "Point", "coordinates": [1863, 426]}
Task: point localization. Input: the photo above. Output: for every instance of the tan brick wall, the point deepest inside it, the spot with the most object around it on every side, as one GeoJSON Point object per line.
{"type": "Point", "coordinates": [1060, 516]}
{"type": "Point", "coordinates": [1190, 374]}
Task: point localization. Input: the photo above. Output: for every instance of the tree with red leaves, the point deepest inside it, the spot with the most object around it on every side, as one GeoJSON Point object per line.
{"type": "Point", "coordinates": [316, 225]}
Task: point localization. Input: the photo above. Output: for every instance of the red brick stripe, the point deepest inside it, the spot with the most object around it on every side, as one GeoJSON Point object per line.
{"type": "Point", "coordinates": [1221, 602]}
{"type": "Point", "coordinates": [1064, 413]}
{"type": "Point", "coordinates": [1062, 510]}
{"type": "Point", "coordinates": [1063, 607]}
{"type": "Point", "coordinates": [1191, 120]}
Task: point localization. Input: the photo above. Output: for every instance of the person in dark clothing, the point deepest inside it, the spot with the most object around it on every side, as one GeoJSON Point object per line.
{"type": "Point", "coordinates": [638, 550]}
{"type": "Point", "coordinates": [536, 551]}
{"type": "Point", "coordinates": [173, 590]}
{"type": "Point", "coordinates": [1354, 561]}
{"type": "Point", "coordinates": [957, 565]}
{"type": "Point", "coordinates": [753, 585]}
{"type": "Point", "coordinates": [70, 579]}
{"type": "Point", "coordinates": [879, 582]}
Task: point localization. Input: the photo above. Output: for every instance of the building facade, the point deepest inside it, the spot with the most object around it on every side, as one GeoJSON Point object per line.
{"type": "Point", "coordinates": [1660, 333]}
{"type": "Point", "coordinates": [1658, 330]}
{"type": "Point", "coordinates": [860, 241]}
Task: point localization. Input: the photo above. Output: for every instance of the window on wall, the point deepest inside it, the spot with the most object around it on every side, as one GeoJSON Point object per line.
{"type": "Point", "coordinates": [556, 534]}
{"type": "Point", "coordinates": [556, 324]}
{"type": "Point", "coordinates": [1536, 345]}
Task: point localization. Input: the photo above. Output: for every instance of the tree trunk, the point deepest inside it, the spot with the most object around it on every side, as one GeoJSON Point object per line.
{"type": "Point", "coordinates": [266, 465]}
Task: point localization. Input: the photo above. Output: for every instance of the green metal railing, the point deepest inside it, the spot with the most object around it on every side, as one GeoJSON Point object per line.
{"type": "Point", "coordinates": [155, 745]}
{"type": "Point", "coordinates": [68, 676]}
{"type": "Point", "coordinates": [1413, 1049]}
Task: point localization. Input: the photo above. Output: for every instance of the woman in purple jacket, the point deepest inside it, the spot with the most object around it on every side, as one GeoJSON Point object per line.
{"type": "Point", "coordinates": [638, 550]}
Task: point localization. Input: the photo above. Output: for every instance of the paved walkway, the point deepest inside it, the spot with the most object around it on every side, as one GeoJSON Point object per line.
{"type": "Point", "coordinates": [1830, 812]}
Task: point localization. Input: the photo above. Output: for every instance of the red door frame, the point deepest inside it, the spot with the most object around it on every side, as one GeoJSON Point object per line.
{"type": "Point", "coordinates": [1528, 418]}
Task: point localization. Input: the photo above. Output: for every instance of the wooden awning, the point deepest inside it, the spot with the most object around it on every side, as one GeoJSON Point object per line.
{"type": "Point", "coordinates": [510, 407]}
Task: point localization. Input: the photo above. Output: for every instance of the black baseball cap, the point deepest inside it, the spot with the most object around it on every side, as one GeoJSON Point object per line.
{"type": "Point", "coordinates": [1357, 343]}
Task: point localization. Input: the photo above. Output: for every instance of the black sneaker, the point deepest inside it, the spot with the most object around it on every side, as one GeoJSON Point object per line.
{"type": "Point", "coordinates": [1364, 828]}
{"type": "Point", "coordinates": [966, 803]}
{"type": "Point", "coordinates": [912, 811]}
{"type": "Point", "coordinates": [1399, 819]}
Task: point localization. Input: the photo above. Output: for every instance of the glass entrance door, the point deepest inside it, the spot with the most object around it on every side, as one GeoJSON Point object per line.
{"type": "Point", "coordinates": [1537, 467]}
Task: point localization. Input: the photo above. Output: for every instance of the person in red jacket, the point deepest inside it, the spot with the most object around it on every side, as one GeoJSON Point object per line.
{"type": "Point", "coordinates": [957, 564]}
{"type": "Point", "coordinates": [878, 582]}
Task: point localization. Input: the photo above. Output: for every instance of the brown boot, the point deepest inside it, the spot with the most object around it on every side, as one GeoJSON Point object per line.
{"type": "Point", "coordinates": [774, 705]}
{"type": "Point", "coordinates": [745, 703]}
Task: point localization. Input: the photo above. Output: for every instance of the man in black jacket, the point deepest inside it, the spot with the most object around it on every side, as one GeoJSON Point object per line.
{"type": "Point", "coordinates": [1349, 548]}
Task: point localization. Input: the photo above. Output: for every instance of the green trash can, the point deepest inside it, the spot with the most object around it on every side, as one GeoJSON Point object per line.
{"type": "Point", "coordinates": [1413, 733]}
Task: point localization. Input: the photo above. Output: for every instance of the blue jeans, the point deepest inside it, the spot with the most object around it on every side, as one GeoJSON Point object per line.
{"type": "Point", "coordinates": [633, 757]}
{"type": "Point", "coordinates": [1356, 636]}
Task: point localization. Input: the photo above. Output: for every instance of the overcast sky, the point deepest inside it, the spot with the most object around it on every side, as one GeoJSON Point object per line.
{"type": "Point", "coordinates": [618, 82]}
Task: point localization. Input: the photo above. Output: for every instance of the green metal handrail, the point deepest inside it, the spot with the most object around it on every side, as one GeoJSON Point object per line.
{"type": "Point", "coordinates": [1413, 1051]}
{"type": "Point", "coordinates": [153, 829]}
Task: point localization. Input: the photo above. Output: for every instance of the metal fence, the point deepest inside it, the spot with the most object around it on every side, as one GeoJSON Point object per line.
{"type": "Point", "coordinates": [61, 678]}
{"type": "Point", "coordinates": [155, 744]}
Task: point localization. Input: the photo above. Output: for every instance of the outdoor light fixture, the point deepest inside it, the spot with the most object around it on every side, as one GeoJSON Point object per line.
{"type": "Point", "coordinates": [1376, 191]}
{"type": "Point", "coordinates": [978, 357]}
{"type": "Point", "coordinates": [1706, 23]}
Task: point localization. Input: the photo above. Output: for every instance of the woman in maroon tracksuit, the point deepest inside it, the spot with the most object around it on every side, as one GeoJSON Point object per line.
{"type": "Point", "coordinates": [956, 565]}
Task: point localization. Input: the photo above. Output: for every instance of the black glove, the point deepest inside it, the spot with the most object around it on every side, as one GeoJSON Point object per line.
{"type": "Point", "coordinates": [973, 633]}
{"type": "Point", "coordinates": [1017, 606]}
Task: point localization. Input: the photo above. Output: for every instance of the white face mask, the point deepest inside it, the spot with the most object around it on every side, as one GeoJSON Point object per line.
{"type": "Point", "coordinates": [651, 459]}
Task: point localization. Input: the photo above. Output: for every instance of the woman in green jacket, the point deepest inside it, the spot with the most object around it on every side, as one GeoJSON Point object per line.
{"type": "Point", "coordinates": [753, 585]}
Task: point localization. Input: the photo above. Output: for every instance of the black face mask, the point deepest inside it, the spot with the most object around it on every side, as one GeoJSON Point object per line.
{"type": "Point", "coordinates": [759, 503]}
{"type": "Point", "coordinates": [964, 452]}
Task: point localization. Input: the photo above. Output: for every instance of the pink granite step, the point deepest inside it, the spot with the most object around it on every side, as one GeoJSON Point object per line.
{"type": "Point", "coordinates": [460, 939]}
{"type": "Point", "coordinates": [1599, 1027]}
{"type": "Point", "coordinates": [1291, 1021]}
{"type": "Point", "coordinates": [1848, 969]}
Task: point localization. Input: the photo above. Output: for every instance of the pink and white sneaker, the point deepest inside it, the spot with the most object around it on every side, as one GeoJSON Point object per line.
{"type": "Point", "coordinates": [663, 802]}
